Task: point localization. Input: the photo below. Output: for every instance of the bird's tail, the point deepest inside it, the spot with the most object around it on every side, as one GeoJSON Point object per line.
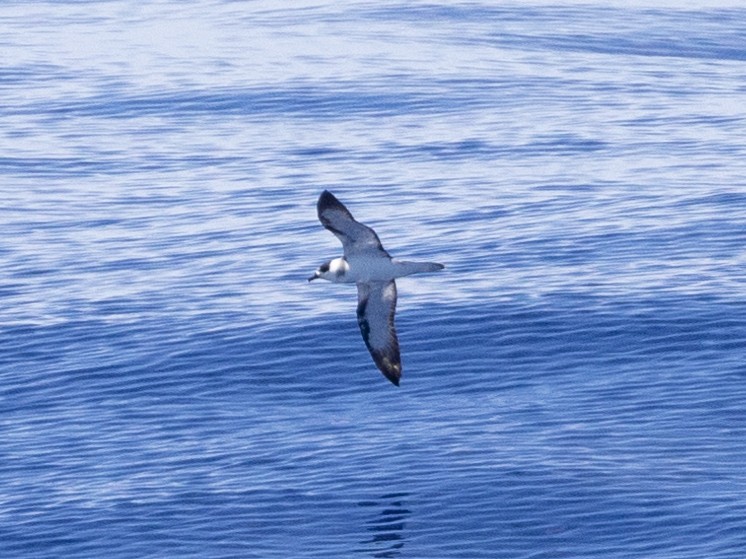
{"type": "Point", "coordinates": [419, 267]}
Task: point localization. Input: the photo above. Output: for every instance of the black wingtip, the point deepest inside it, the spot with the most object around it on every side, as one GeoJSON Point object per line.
{"type": "Point", "coordinates": [326, 198]}
{"type": "Point", "coordinates": [393, 373]}
{"type": "Point", "coordinates": [392, 377]}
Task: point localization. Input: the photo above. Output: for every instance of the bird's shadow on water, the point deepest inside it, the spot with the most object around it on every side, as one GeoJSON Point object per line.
{"type": "Point", "coordinates": [385, 529]}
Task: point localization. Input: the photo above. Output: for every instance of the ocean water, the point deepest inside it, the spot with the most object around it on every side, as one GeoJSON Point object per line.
{"type": "Point", "coordinates": [574, 381]}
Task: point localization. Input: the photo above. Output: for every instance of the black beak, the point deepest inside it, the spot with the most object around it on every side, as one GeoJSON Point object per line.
{"type": "Point", "coordinates": [313, 277]}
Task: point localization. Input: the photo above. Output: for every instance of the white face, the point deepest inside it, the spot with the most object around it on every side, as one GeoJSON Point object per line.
{"type": "Point", "coordinates": [333, 270]}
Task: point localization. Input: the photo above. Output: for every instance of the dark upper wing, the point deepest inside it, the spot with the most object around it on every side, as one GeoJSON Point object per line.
{"type": "Point", "coordinates": [355, 236]}
{"type": "Point", "coordinates": [376, 305]}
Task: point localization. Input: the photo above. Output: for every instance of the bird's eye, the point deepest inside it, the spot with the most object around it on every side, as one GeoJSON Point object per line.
{"type": "Point", "coordinates": [324, 268]}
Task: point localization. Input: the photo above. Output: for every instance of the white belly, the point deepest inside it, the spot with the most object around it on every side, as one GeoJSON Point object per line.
{"type": "Point", "coordinates": [371, 269]}
{"type": "Point", "coordinates": [365, 269]}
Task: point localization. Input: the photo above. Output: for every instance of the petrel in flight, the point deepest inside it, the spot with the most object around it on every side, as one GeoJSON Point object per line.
{"type": "Point", "coordinates": [366, 263]}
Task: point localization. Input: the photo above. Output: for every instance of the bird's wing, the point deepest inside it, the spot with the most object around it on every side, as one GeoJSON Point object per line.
{"type": "Point", "coordinates": [355, 237]}
{"type": "Point", "coordinates": [376, 305]}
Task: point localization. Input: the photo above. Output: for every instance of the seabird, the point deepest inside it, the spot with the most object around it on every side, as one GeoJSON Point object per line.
{"type": "Point", "coordinates": [367, 264]}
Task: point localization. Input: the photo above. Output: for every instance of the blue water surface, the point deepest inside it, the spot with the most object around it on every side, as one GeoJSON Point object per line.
{"type": "Point", "coordinates": [574, 381]}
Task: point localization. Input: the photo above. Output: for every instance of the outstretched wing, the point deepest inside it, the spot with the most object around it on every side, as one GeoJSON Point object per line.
{"type": "Point", "coordinates": [355, 237]}
{"type": "Point", "coordinates": [376, 305]}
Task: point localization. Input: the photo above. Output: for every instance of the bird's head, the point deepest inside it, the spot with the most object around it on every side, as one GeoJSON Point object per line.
{"type": "Point", "coordinates": [320, 272]}
{"type": "Point", "coordinates": [334, 270]}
